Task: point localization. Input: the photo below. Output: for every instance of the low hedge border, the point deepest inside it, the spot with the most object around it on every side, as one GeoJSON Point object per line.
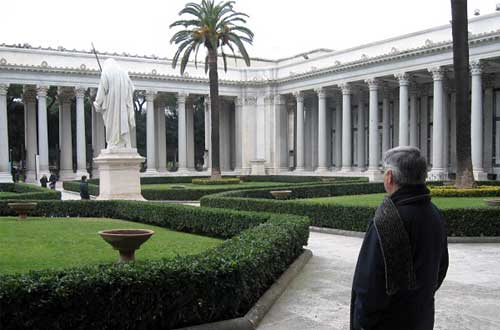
{"type": "Point", "coordinates": [450, 191]}
{"type": "Point", "coordinates": [461, 222]}
{"type": "Point", "coordinates": [208, 181]}
{"type": "Point", "coordinates": [189, 194]}
{"type": "Point", "coordinates": [222, 283]}
{"type": "Point", "coordinates": [23, 191]}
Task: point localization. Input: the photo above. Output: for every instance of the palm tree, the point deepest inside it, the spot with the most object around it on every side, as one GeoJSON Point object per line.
{"type": "Point", "coordinates": [459, 24]}
{"type": "Point", "coordinates": [219, 28]}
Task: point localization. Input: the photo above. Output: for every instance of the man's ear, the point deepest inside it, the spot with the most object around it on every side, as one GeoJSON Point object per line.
{"type": "Point", "coordinates": [389, 177]}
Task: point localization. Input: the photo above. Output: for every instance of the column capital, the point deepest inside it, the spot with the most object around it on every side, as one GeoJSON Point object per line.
{"type": "Point", "coordinates": [238, 101]}
{"type": "Point", "coordinates": [403, 78]}
{"type": "Point", "coordinates": [438, 73]}
{"type": "Point", "coordinates": [181, 97]}
{"type": "Point", "coordinates": [279, 99]}
{"type": "Point", "coordinates": [476, 67]}
{"type": "Point", "coordinates": [4, 89]}
{"type": "Point", "coordinates": [488, 80]}
{"type": "Point", "coordinates": [29, 93]}
{"type": "Point", "coordinates": [64, 94]}
{"type": "Point", "coordinates": [413, 90]}
{"type": "Point", "coordinates": [269, 98]}
{"type": "Point", "coordinates": [80, 91]}
{"type": "Point", "coordinates": [150, 95]}
{"type": "Point", "coordinates": [41, 90]}
{"type": "Point", "coordinates": [299, 96]}
{"type": "Point", "coordinates": [373, 84]}
{"type": "Point", "coordinates": [92, 92]}
{"type": "Point", "coordinates": [321, 92]}
{"type": "Point", "coordinates": [250, 100]}
{"type": "Point", "coordinates": [346, 89]}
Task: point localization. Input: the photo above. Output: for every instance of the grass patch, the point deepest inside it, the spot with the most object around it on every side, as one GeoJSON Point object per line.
{"type": "Point", "coordinates": [242, 185]}
{"type": "Point", "coordinates": [57, 243]}
{"type": "Point", "coordinates": [374, 200]}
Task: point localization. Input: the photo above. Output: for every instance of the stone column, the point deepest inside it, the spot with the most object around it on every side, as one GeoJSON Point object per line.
{"type": "Point", "coordinates": [208, 135]}
{"type": "Point", "coordinates": [150, 133]}
{"type": "Point", "coordinates": [43, 134]}
{"type": "Point", "coordinates": [453, 130]}
{"type": "Point", "coordinates": [300, 131]}
{"type": "Point", "coordinates": [403, 108]}
{"type": "Point", "coordinates": [98, 129]}
{"type": "Point", "coordinates": [346, 128]}
{"type": "Point", "coordinates": [66, 147]}
{"type": "Point", "coordinates": [395, 121]}
{"type": "Point", "coordinates": [437, 171]}
{"type": "Point", "coordinates": [386, 125]}
{"type": "Point", "coordinates": [238, 132]}
{"type": "Point", "coordinates": [5, 173]}
{"type": "Point", "coordinates": [81, 145]}
{"type": "Point", "coordinates": [373, 161]}
{"type": "Point", "coordinates": [190, 134]}
{"type": "Point", "coordinates": [361, 132]}
{"type": "Point", "coordinates": [488, 110]}
{"type": "Point", "coordinates": [29, 100]}
{"type": "Point", "coordinates": [338, 133]}
{"type": "Point", "coordinates": [424, 122]}
{"type": "Point", "coordinates": [182, 136]}
{"type": "Point", "coordinates": [161, 136]}
{"type": "Point", "coordinates": [322, 124]}
{"type": "Point", "coordinates": [413, 116]}
{"type": "Point", "coordinates": [281, 134]}
{"type": "Point", "coordinates": [446, 128]}
{"type": "Point", "coordinates": [477, 121]}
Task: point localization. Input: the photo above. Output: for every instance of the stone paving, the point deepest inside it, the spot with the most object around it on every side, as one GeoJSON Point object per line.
{"type": "Point", "coordinates": [319, 297]}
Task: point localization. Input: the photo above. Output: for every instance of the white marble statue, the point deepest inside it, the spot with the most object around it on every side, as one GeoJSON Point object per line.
{"type": "Point", "coordinates": [115, 101]}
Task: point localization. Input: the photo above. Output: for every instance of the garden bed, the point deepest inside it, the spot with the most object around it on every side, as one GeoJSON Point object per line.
{"type": "Point", "coordinates": [464, 216]}
{"type": "Point", "coordinates": [23, 191]}
{"type": "Point", "coordinates": [221, 283]}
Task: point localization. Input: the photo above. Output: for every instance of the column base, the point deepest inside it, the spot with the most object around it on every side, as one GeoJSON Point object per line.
{"type": "Point", "coordinates": [80, 173]}
{"type": "Point", "coordinates": [184, 171]}
{"type": "Point", "coordinates": [346, 169]}
{"type": "Point", "coordinates": [361, 169]}
{"type": "Point", "coordinates": [437, 174]}
{"type": "Point", "coordinates": [119, 174]}
{"type": "Point", "coordinates": [322, 169]}
{"type": "Point", "coordinates": [299, 170]}
{"type": "Point", "coordinates": [67, 175]}
{"type": "Point", "coordinates": [258, 167]}
{"type": "Point", "coordinates": [151, 172]}
{"type": "Point", "coordinates": [5, 177]}
{"type": "Point", "coordinates": [374, 175]}
{"type": "Point", "coordinates": [480, 175]}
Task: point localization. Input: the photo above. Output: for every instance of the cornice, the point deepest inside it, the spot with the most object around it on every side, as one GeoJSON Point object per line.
{"type": "Point", "coordinates": [428, 48]}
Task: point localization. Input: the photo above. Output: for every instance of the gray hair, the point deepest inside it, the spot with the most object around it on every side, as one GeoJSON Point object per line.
{"type": "Point", "coordinates": [407, 164]}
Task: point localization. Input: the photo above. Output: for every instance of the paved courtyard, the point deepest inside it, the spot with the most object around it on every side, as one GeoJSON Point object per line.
{"type": "Point", "coordinates": [319, 297]}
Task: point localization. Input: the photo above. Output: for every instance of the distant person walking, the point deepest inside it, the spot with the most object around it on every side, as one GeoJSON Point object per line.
{"type": "Point", "coordinates": [84, 188]}
{"type": "Point", "coordinates": [43, 181]}
{"type": "Point", "coordinates": [53, 181]}
{"type": "Point", "coordinates": [404, 256]}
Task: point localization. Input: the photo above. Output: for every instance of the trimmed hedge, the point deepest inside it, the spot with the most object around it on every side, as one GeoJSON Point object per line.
{"type": "Point", "coordinates": [216, 181]}
{"type": "Point", "coordinates": [460, 221]}
{"type": "Point", "coordinates": [23, 191]}
{"type": "Point", "coordinates": [221, 283]}
{"type": "Point", "coordinates": [451, 191]}
{"type": "Point", "coordinates": [190, 194]}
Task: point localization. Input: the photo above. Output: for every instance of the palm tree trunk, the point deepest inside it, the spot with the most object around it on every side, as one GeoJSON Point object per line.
{"type": "Point", "coordinates": [214, 104]}
{"type": "Point", "coordinates": [459, 25]}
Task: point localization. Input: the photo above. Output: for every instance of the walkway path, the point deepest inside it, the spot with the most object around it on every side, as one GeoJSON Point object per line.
{"type": "Point", "coordinates": [318, 299]}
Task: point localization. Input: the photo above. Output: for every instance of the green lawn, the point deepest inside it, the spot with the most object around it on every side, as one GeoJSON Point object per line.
{"type": "Point", "coordinates": [242, 185]}
{"type": "Point", "coordinates": [376, 199]}
{"type": "Point", "coordinates": [42, 243]}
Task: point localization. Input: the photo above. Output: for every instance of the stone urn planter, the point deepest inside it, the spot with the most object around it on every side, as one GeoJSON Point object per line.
{"type": "Point", "coordinates": [22, 209]}
{"type": "Point", "coordinates": [281, 194]}
{"type": "Point", "coordinates": [126, 241]}
{"type": "Point", "coordinates": [492, 202]}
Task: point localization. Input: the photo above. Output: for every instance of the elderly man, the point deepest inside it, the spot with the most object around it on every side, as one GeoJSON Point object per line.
{"type": "Point", "coordinates": [404, 256]}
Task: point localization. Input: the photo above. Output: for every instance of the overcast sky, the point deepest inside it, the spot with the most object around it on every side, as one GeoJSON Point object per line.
{"type": "Point", "coordinates": [282, 28]}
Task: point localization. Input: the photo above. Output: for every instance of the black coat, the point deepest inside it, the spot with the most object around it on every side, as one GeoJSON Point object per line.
{"type": "Point", "coordinates": [84, 190]}
{"type": "Point", "coordinates": [372, 308]}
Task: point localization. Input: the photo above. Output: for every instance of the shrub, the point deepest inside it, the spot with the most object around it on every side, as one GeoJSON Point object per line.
{"type": "Point", "coordinates": [22, 191]}
{"type": "Point", "coordinates": [451, 191]}
{"type": "Point", "coordinates": [218, 284]}
{"type": "Point", "coordinates": [75, 186]}
{"type": "Point", "coordinates": [216, 181]}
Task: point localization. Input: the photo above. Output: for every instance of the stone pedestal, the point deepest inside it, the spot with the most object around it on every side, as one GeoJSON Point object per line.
{"type": "Point", "coordinates": [258, 167]}
{"type": "Point", "coordinates": [119, 176]}
{"type": "Point", "coordinates": [375, 175]}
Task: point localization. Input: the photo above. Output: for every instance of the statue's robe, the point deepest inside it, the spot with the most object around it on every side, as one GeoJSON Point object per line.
{"type": "Point", "coordinates": [114, 100]}
{"type": "Point", "coordinates": [402, 263]}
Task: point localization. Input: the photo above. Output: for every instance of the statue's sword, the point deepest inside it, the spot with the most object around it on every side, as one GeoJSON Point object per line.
{"type": "Point", "coordinates": [96, 57]}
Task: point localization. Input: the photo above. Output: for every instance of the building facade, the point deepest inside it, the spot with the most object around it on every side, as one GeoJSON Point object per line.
{"type": "Point", "coordinates": [322, 112]}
